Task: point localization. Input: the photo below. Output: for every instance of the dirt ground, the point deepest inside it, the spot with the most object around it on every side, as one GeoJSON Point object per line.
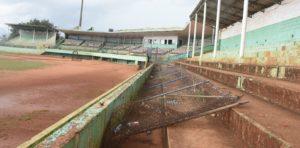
{"type": "Point", "coordinates": [32, 100]}
{"type": "Point", "coordinates": [202, 133]}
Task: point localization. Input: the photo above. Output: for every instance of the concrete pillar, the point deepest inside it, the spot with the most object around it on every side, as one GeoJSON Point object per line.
{"type": "Point", "coordinates": [80, 19]}
{"type": "Point", "coordinates": [20, 33]}
{"type": "Point", "coordinates": [189, 39]}
{"type": "Point", "coordinates": [244, 29]}
{"type": "Point", "coordinates": [213, 34]}
{"type": "Point", "coordinates": [217, 28]}
{"type": "Point", "coordinates": [47, 35]}
{"type": "Point", "coordinates": [203, 30]}
{"type": "Point", "coordinates": [33, 36]}
{"type": "Point", "coordinates": [195, 35]}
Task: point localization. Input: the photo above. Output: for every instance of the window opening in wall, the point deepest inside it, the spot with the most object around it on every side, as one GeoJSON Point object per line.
{"type": "Point", "coordinates": [170, 42]}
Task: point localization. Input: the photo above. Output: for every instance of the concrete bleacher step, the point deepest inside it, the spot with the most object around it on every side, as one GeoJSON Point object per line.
{"type": "Point", "coordinates": [285, 73]}
{"type": "Point", "coordinates": [282, 93]}
{"type": "Point", "coordinates": [260, 123]}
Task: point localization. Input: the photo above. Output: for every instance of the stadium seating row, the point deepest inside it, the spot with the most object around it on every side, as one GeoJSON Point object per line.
{"type": "Point", "coordinates": [71, 42]}
{"type": "Point", "coordinates": [92, 44]}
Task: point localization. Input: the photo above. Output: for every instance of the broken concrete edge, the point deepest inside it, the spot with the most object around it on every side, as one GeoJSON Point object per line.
{"type": "Point", "coordinates": [283, 97]}
{"type": "Point", "coordinates": [67, 130]}
{"type": "Point", "coordinates": [280, 72]}
{"type": "Point", "coordinates": [244, 127]}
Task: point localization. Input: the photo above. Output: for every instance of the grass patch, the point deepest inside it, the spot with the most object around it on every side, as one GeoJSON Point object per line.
{"type": "Point", "coordinates": [18, 65]}
{"type": "Point", "coordinates": [34, 114]}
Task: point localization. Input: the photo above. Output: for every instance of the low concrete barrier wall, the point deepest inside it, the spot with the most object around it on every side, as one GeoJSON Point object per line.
{"type": "Point", "coordinates": [251, 132]}
{"type": "Point", "coordinates": [86, 126]}
{"type": "Point", "coordinates": [132, 58]}
{"type": "Point", "coordinates": [100, 55]}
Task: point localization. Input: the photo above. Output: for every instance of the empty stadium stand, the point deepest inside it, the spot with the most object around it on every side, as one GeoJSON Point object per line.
{"type": "Point", "coordinates": [33, 36]}
{"type": "Point", "coordinates": [72, 42]}
{"type": "Point", "coordinates": [273, 93]}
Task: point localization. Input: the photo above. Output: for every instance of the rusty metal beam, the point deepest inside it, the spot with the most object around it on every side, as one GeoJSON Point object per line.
{"type": "Point", "coordinates": [172, 91]}
{"type": "Point", "coordinates": [199, 96]}
{"type": "Point", "coordinates": [167, 82]}
{"type": "Point", "coordinates": [190, 116]}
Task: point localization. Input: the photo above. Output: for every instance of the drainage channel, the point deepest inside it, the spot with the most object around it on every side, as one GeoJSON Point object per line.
{"type": "Point", "coordinates": [170, 96]}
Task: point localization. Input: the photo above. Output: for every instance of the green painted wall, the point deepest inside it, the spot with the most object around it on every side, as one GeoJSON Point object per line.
{"type": "Point", "coordinates": [276, 44]}
{"type": "Point", "coordinates": [270, 37]}
{"type": "Point", "coordinates": [85, 127]}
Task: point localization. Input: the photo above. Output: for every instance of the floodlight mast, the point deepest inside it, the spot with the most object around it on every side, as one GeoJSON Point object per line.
{"type": "Point", "coordinates": [80, 20]}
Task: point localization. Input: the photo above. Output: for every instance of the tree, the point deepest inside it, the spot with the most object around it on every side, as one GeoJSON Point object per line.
{"type": "Point", "coordinates": [36, 22]}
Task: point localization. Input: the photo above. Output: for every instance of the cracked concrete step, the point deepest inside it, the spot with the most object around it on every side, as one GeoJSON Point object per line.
{"type": "Point", "coordinates": [286, 73]}
{"type": "Point", "coordinates": [282, 93]}
{"type": "Point", "coordinates": [261, 124]}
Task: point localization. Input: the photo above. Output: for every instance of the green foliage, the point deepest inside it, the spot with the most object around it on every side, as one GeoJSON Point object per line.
{"type": "Point", "coordinates": [36, 22]}
{"type": "Point", "coordinates": [18, 65]}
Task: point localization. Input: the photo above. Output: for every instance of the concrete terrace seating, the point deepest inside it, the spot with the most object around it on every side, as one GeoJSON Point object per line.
{"type": "Point", "coordinates": [105, 47]}
{"type": "Point", "coordinates": [160, 51]}
{"type": "Point", "coordinates": [139, 50]}
{"type": "Point", "coordinates": [272, 116]}
{"type": "Point", "coordinates": [180, 50]}
{"type": "Point", "coordinates": [93, 44]}
{"type": "Point", "coordinates": [72, 42]}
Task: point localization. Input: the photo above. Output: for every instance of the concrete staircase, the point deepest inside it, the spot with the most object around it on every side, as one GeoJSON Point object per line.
{"type": "Point", "coordinates": [271, 119]}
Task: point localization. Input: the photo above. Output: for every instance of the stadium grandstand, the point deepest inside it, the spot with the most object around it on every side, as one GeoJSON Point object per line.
{"type": "Point", "coordinates": [132, 41]}
{"type": "Point", "coordinates": [33, 36]}
{"type": "Point", "coordinates": [230, 78]}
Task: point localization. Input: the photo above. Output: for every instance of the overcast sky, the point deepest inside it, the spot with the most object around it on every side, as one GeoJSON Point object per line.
{"type": "Point", "coordinates": [101, 14]}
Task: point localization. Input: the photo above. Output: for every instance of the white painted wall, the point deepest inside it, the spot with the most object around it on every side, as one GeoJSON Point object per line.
{"type": "Point", "coordinates": [287, 10]}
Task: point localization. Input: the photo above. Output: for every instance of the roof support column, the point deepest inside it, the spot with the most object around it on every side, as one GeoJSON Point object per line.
{"type": "Point", "coordinates": [33, 36]}
{"type": "Point", "coordinates": [203, 31]}
{"type": "Point", "coordinates": [244, 29]}
{"type": "Point", "coordinates": [195, 35]}
{"type": "Point", "coordinates": [213, 34]}
{"type": "Point", "coordinates": [47, 35]}
{"type": "Point", "coordinates": [189, 39]}
{"type": "Point", "coordinates": [217, 28]}
{"type": "Point", "coordinates": [20, 32]}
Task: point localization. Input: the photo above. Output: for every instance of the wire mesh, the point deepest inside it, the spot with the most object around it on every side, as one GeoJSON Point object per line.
{"type": "Point", "coordinates": [162, 104]}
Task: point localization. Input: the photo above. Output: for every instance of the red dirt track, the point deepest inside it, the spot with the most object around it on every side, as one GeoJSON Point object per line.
{"type": "Point", "coordinates": [32, 100]}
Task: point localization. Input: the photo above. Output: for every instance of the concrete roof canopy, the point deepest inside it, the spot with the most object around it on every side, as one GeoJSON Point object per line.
{"type": "Point", "coordinates": [139, 33]}
{"type": "Point", "coordinates": [128, 33]}
{"type": "Point", "coordinates": [231, 10]}
{"type": "Point", "coordinates": [32, 27]}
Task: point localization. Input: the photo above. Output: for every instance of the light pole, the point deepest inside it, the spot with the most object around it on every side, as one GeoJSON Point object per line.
{"type": "Point", "coordinates": [80, 20]}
